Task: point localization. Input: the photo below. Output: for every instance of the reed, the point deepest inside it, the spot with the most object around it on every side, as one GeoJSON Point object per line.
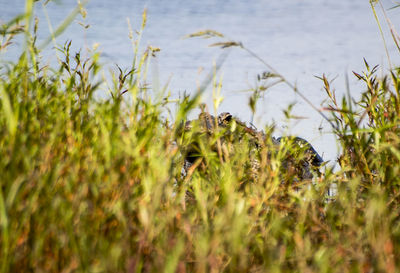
{"type": "Point", "coordinates": [91, 184]}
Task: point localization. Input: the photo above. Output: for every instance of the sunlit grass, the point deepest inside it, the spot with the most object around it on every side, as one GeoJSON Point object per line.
{"type": "Point", "coordinates": [100, 185]}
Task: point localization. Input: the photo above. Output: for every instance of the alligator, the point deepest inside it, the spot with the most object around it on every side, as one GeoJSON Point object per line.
{"type": "Point", "coordinates": [225, 129]}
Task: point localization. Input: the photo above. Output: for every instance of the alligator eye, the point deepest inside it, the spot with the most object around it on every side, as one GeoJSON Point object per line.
{"type": "Point", "coordinates": [224, 118]}
{"type": "Point", "coordinates": [228, 117]}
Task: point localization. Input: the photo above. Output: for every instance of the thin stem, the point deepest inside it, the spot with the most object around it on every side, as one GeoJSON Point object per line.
{"type": "Point", "coordinates": [292, 86]}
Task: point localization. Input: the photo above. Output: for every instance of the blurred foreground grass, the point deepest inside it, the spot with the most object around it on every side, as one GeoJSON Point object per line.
{"type": "Point", "coordinates": [96, 185]}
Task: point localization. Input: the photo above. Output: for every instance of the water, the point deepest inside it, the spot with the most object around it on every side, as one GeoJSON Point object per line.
{"type": "Point", "coordinates": [300, 39]}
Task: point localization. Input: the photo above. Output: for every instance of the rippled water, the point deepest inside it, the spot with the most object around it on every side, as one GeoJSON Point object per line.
{"type": "Point", "coordinates": [301, 39]}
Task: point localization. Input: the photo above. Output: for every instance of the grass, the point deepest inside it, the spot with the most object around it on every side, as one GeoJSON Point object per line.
{"type": "Point", "coordinates": [96, 185]}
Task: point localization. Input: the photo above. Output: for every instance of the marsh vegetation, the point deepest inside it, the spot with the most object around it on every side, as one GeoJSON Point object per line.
{"type": "Point", "coordinates": [98, 184]}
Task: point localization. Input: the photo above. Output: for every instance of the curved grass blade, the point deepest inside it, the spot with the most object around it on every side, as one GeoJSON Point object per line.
{"type": "Point", "coordinates": [63, 26]}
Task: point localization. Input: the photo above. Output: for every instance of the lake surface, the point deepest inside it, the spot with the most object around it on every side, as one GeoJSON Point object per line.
{"type": "Point", "coordinates": [300, 39]}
